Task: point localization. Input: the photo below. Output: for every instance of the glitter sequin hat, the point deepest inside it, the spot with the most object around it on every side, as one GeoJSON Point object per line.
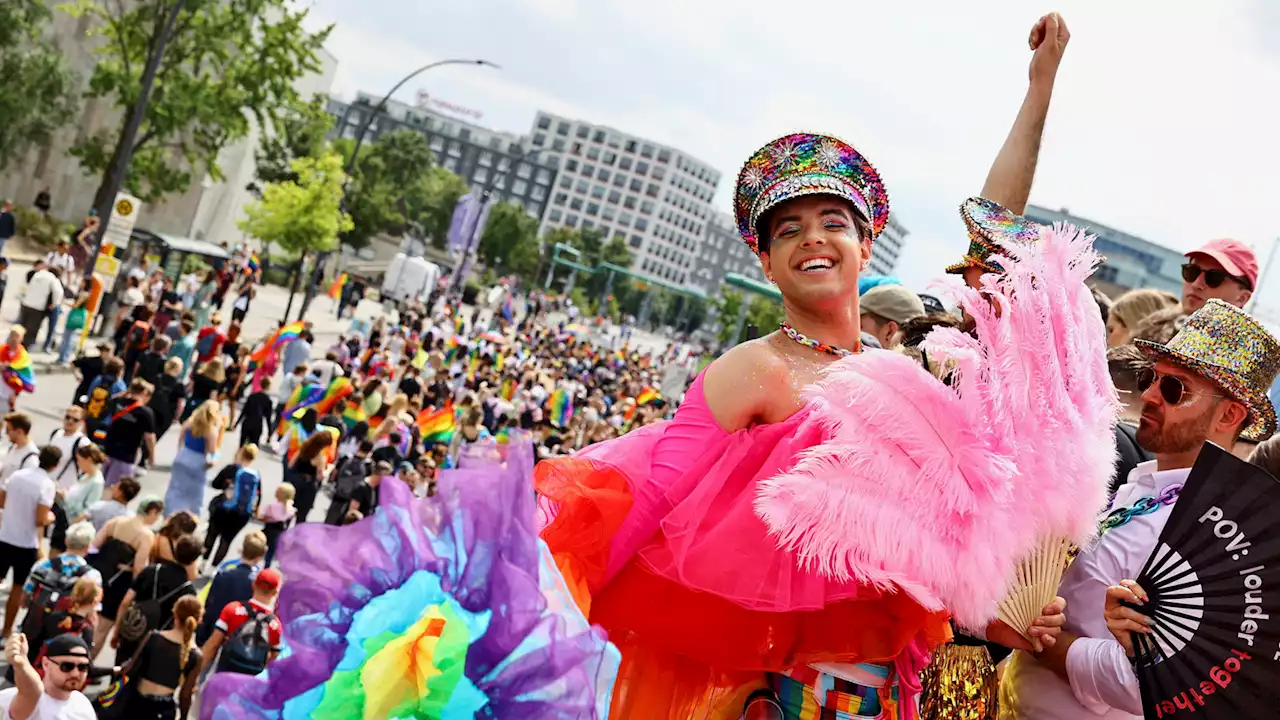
{"type": "Point", "coordinates": [1225, 344]}
{"type": "Point", "coordinates": [990, 227]}
{"type": "Point", "coordinates": [807, 164]}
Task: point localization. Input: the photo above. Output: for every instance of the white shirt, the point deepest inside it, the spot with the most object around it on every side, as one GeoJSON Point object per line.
{"type": "Point", "coordinates": [75, 707]}
{"type": "Point", "coordinates": [63, 261]}
{"type": "Point", "coordinates": [1103, 684]}
{"type": "Point", "coordinates": [65, 474]}
{"type": "Point", "coordinates": [326, 370]}
{"type": "Point", "coordinates": [20, 456]}
{"type": "Point", "coordinates": [43, 290]}
{"type": "Point", "coordinates": [27, 489]}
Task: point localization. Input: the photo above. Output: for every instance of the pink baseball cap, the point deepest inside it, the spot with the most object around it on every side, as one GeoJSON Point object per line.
{"type": "Point", "coordinates": [1234, 256]}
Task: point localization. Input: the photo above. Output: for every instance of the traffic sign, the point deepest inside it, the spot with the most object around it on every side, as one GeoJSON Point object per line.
{"type": "Point", "coordinates": [124, 215]}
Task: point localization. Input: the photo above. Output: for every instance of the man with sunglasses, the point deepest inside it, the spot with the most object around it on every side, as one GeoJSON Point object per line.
{"type": "Point", "coordinates": [1209, 384]}
{"type": "Point", "coordinates": [1222, 269]}
{"type": "Point", "coordinates": [56, 696]}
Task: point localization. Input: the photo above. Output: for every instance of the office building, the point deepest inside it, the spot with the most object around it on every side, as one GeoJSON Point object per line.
{"type": "Point", "coordinates": [887, 249]}
{"type": "Point", "coordinates": [720, 252]}
{"type": "Point", "coordinates": [1129, 262]}
{"type": "Point", "coordinates": [655, 197]}
{"type": "Point", "coordinates": [499, 163]}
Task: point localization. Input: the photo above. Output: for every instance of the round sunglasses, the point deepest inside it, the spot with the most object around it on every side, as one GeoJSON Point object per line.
{"type": "Point", "coordinates": [1212, 278]}
{"type": "Point", "coordinates": [1172, 390]}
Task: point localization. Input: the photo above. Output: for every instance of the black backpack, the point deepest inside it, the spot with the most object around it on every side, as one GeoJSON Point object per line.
{"type": "Point", "coordinates": [71, 461]}
{"type": "Point", "coordinates": [350, 474]}
{"type": "Point", "coordinates": [51, 585]}
{"type": "Point", "coordinates": [143, 616]}
{"type": "Point", "coordinates": [246, 650]}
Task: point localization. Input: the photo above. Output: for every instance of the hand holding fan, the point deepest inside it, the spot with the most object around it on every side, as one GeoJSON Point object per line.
{"type": "Point", "coordinates": [1035, 585]}
{"type": "Point", "coordinates": [1213, 583]}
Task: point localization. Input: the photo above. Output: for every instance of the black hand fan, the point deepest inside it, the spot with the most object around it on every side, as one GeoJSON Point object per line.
{"type": "Point", "coordinates": [1214, 587]}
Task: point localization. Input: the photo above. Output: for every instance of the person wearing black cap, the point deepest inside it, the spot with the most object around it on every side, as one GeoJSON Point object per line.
{"type": "Point", "coordinates": [56, 696]}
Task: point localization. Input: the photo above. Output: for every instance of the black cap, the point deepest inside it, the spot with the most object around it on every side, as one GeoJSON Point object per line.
{"type": "Point", "coordinates": [68, 645]}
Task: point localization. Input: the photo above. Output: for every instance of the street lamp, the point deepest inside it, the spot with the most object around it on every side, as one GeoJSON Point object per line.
{"type": "Point", "coordinates": [355, 152]}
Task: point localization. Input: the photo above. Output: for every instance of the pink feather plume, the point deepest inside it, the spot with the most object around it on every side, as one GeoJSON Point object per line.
{"type": "Point", "coordinates": [941, 490]}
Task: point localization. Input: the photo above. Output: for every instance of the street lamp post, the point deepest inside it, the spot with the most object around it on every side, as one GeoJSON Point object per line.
{"type": "Point", "coordinates": [355, 152]}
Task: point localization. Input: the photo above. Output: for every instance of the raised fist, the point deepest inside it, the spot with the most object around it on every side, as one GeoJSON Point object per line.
{"type": "Point", "coordinates": [1048, 40]}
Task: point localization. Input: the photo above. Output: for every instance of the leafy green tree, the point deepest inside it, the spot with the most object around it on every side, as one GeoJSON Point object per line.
{"type": "Point", "coordinates": [616, 252]}
{"type": "Point", "coordinates": [510, 241]}
{"type": "Point", "coordinates": [728, 306]}
{"type": "Point", "coordinates": [764, 313]}
{"type": "Point", "coordinates": [227, 61]}
{"type": "Point", "coordinates": [298, 131]}
{"type": "Point", "coordinates": [39, 91]}
{"type": "Point", "coordinates": [444, 189]}
{"type": "Point", "coordinates": [301, 216]}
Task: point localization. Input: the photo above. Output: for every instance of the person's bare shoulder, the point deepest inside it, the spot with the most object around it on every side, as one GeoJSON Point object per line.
{"type": "Point", "coordinates": [739, 384]}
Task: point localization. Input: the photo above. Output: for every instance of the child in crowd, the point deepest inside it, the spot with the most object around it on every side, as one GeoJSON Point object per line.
{"type": "Point", "coordinates": [276, 518]}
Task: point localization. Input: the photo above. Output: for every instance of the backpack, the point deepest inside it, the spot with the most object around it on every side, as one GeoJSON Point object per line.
{"type": "Point", "coordinates": [246, 650]}
{"type": "Point", "coordinates": [100, 430]}
{"type": "Point", "coordinates": [246, 484]}
{"type": "Point", "coordinates": [51, 585]}
{"type": "Point", "coordinates": [204, 346]}
{"type": "Point", "coordinates": [143, 616]}
{"type": "Point", "coordinates": [349, 476]}
{"type": "Point", "coordinates": [139, 335]}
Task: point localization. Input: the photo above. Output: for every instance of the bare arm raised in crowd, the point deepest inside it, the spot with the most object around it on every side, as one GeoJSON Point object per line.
{"type": "Point", "coordinates": [1009, 180]}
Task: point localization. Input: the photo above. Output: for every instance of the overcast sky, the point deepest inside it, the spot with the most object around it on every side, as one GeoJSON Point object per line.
{"type": "Point", "coordinates": [1165, 123]}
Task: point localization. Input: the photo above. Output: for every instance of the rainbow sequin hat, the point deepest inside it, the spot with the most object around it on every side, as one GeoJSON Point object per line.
{"type": "Point", "coordinates": [807, 164]}
{"type": "Point", "coordinates": [991, 226]}
{"type": "Point", "coordinates": [1225, 344]}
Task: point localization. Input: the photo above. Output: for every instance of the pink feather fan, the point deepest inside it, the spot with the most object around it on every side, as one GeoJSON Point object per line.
{"type": "Point", "coordinates": [942, 490]}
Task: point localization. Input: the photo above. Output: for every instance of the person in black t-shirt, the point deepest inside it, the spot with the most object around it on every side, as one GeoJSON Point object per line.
{"type": "Point", "coordinates": [131, 423]}
{"type": "Point", "coordinates": [256, 414]}
{"type": "Point", "coordinates": [166, 581]}
{"type": "Point", "coordinates": [364, 499]}
{"type": "Point", "coordinates": [410, 385]}
{"type": "Point", "coordinates": [389, 453]}
{"type": "Point", "coordinates": [169, 396]}
{"type": "Point", "coordinates": [88, 368]}
{"type": "Point", "coordinates": [150, 365]}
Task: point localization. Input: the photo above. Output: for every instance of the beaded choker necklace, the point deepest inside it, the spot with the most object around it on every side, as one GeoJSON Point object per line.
{"type": "Point", "coordinates": [811, 343]}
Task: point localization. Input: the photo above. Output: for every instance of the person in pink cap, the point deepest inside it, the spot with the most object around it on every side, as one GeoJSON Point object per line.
{"type": "Point", "coordinates": [1223, 269]}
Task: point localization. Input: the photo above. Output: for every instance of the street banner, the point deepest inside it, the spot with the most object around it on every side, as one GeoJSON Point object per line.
{"type": "Point", "coordinates": [124, 215]}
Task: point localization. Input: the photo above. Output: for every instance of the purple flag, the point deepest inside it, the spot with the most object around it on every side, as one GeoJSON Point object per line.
{"type": "Point", "coordinates": [481, 219]}
{"type": "Point", "coordinates": [462, 224]}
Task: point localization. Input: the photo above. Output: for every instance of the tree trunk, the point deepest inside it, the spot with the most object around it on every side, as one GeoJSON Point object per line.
{"type": "Point", "coordinates": [293, 289]}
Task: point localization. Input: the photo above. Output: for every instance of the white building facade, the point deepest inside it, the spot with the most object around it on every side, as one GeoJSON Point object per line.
{"type": "Point", "coordinates": [887, 249]}
{"type": "Point", "coordinates": [655, 197]}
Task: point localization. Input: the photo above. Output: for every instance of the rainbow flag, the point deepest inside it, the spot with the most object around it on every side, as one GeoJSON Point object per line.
{"type": "Point", "coordinates": [253, 265]}
{"type": "Point", "coordinates": [18, 375]}
{"type": "Point", "coordinates": [335, 290]}
{"type": "Point", "coordinates": [337, 391]}
{"type": "Point", "coordinates": [560, 408]}
{"type": "Point", "coordinates": [508, 388]}
{"type": "Point", "coordinates": [647, 396]}
{"type": "Point", "coordinates": [306, 394]}
{"type": "Point", "coordinates": [450, 349]}
{"type": "Point", "coordinates": [437, 425]}
{"type": "Point", "coordinates": [278, 339]}
{"type": "Point", "coordinates": [353, 415]}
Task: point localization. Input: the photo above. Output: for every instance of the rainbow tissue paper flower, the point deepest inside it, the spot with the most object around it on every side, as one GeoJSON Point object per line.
{"type": "Point", "coordinates": [443, 608]}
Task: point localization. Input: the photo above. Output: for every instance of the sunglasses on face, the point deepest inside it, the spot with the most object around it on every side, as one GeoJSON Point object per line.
{"type": "Point", "coordinates": [70, 667]}
{"type": "Point", "coordinates": [1212, 278]}
{"type": "Point", "coordinates": [1172, 390]}
{"type": "Point", "coordinates": [71, 418]}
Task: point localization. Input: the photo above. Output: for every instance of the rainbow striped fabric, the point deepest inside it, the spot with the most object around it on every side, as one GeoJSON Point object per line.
{"type": "Point", "coordinates": [285, 335]}
{"type": "Point", "coordinates": [437, 425]}
{"type": "Point", "coordinates": [18, 374]}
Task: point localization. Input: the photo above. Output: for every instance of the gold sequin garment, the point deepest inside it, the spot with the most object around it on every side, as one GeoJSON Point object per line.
{"type": "Point", "coordinates": [959, 684]}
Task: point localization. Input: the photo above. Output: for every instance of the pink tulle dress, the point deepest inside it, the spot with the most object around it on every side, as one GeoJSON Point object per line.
{"type": "Point", "coordinates": [657, 535]}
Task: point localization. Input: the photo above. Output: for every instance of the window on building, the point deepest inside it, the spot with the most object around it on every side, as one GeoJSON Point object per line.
{"type": "Point", "coordinates": [659, 173]}
{"type": "Point", "coordinates": [561, 198]}
{"type": "Point", "coordinates": [539, 193]}
{"type": "Point", "coordinates": [562, 128]}
{"type": "Point", "coordinates": [619, 234]}
{"type": "Point", "coordinates": [455, 148]}
{"type": "Point", "coordinates": [629, 203]}
{"type": "Point", "coordinates": [481, 175]}
{"type": "Point", "coordinates": [534, 209]}
{"type": "Point", "coordinates": [646, 207]}
{"type": "Point", "coordinates": [544, 176]}
{"type": "Point", "coordinates": [520, 187]}
{"type": "Point", "coordinates": [597, 192]}
{"type": "Point", "coordinates": [636, 240]}
{"type": "Point", "coordinates": [610, 158]}
{"type": "Point", "coordinates": [587, 224]}
{"type": "Point", "coordinates": [642, 224]}
{"type": "Point", "coordinates": [557, 145]}
{"type": "Point", "coordinates": [464, 134]}
{"type": "Point", "coordinates": [540, 139]}
{"type": "Point", "coordinates": [619, 180]}
{"type": "Point", "coordinates": [582, 186]}
{"type": "Point", "coordinates": [554, 216]}
{"type": "Point", "coordinates": [608, 213]}
{"type": "Point", "coordinates": [571, 220]}
{"type": "Point", "coordinates": [624, 163]}
{"type": "Point", "coordinates": [598, 137]}
{"type": "Point", "coordinates": [642, 168]}
{"type": "Point", "coordinates": [544, 122]}
{"type": "Point", "coordinates": [593, 209]}
{"type": "Point", "coordinates": [588, 170]}
{"type": "Point", "coordinates": [631, 146]}
{"type": "Point", "coordinates": [583, 131]}
{"type": "Point", "coordinates": [524, 170]}
{"type": "Point", "coordinates": [664, 155]}
{"type": "Point", "coordinates": [577, 148]}
{"type": "Point", "coordinates": [571, 165]}
{"type": "Point", "coordinates": [451, 164]}
{"type": "Point", "coordinates": [575, 204]}
{"type": "Point", "coordinates": [437, 143]}
{"type": "Point", "coordinates": [593, 153]}
{"type": "Point", "coordinates": [504, 164]}
{"type": "Point", "coordinates": [615, 197]}
{"type": "Point", "coordinates": [495, 142]}
{"type": "Point", "coordinates": [566, 182]}
{"type": "Point", "coordinates": [603, 175]}
{"type": "Point", "coordinates": [636, 185]}
{"type": "Point", "coordinates": [652, 190]}
{"type": "Point", "coordinates": [646, 150]}
{"type": "Point", "coordinates": [625, 219]}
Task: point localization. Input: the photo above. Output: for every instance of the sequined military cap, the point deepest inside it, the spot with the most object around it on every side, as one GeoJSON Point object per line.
{"type": "Point", "coordinates": [991, 227]}
{"type": "Point", "coordinates": [807, 164]}
{"type": "Point", "coordinates": [1225, 344]}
